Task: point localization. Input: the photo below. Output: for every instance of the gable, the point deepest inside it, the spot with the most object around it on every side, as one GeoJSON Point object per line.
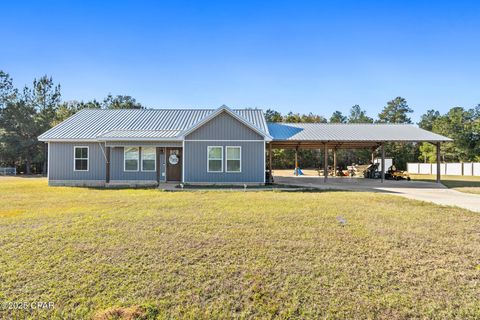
{"type": "Point", "coordinates": [224, 127]}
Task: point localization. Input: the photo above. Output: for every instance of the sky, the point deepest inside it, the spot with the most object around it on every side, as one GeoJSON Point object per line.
{"type": "Point", "coordinates": [300, 56]}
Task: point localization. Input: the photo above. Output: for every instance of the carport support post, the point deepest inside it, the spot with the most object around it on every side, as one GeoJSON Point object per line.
{"type": "Point", "coordinates": [325, 162]}
{"type": "Point", "coordinates": [296, 161]}
{"type": "Point", "coordinates": [335, 162]}
{"type": "Point", "coordinates": [438, 162]}
{"type": "Point", "coordinates": [383, 161]}
{"type": "Point", "coordinates": [270, 162]}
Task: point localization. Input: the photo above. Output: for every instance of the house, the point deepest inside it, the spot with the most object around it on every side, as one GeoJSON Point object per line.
{"type": "Point", "coordinates": [196, 146]}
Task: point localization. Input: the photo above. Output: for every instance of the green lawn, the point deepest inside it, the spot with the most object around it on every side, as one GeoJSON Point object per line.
{"type": "Point", "coordinates": [466, 184]}
{"type": "Point", "coordinates": [106, 253]}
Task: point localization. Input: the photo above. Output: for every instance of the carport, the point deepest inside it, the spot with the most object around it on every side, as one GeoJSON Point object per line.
{"type": "Point", "coordinates": [335, 136]}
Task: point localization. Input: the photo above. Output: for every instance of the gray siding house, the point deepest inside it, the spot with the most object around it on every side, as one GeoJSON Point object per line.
{"type": "Point", "coordinates": [145, 147]}
{"type": "Point", "coordinates": [198, 146]}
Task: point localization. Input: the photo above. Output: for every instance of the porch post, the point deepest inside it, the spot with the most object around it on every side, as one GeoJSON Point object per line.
{"type": "Point", "coordinates": [325, 162]}
{"type": "Point", "coordinates": [165, 163]}
{"type": "Point", "coordinates": [438, 162]}
{"type": "Point", "coordinates": [383, 161]}
{"type": "Point", "coordinates": [157, 161]}
{"type": "Point", "coordinates": [296, 161]}
{"type": "Point", "coordinates": [107, 165]}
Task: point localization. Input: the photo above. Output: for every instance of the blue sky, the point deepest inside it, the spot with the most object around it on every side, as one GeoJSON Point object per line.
{"type": "Point", "coordinates": [303, 56]}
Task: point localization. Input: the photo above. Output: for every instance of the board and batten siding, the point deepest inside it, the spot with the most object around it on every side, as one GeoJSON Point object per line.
{"type": "Point", "coordinates": [224, 130]}
{"type": "Point", "coordinates": [62, 158]}
{"type": "Point", "coordinates": [224, 127]}
{"type": "Point", "coordinates": [252, 162]}
{"type": "Point", "coordinates": [117, 169]}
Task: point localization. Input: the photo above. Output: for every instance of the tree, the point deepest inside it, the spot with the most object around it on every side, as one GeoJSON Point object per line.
{"type": "Point", "coordinates": [427, 152]}
{"type": "Point", "coordinates": [19, 138]}
{"type": "Point", "coordinates": [428, 119]}
{"type": "Point", "coordinates": [293, 117]}
{"type": "Point", "coordinates": [7, 91]}
{"type": "Point", "coordinates": [121, 102]}
{"type": "Point", "coordinates": [338, 117]}
{"type": "Point", "coordinates": [396, 111]}
{"type": "Point", "coordinates": [462, 126]}
{"type": "Point", "coordinates": [69, 108]}
{"type": "Point", "coordinates": [273, 116]}
{"type": "Point", "coordinates": [44, 97]}
{"type": "Point", "coordinates": [357, 115]}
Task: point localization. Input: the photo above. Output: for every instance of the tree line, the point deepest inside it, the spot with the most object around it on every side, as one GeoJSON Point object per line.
{"type": "Point", "coordinates": [27, 113]}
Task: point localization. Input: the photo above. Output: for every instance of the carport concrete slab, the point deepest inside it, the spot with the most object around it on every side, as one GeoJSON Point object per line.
{"type": "Point", "coordinates": [417, 190]}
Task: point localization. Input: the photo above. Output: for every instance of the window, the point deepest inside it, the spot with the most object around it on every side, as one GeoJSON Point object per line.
{"type": "Point", "coordinates": [148, 159]}
{"type": "Point", "coordinates": [234, 159]}
{"type": "Point", "coordinates": [215, 159]}
{"type": "Point", "coordinates": [80, 159]}
{"type": "Point", "coordinates": [130, 156]}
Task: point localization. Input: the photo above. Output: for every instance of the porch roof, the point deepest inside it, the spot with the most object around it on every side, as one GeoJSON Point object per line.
{"type": "Point", "coordinates": [115, 135]}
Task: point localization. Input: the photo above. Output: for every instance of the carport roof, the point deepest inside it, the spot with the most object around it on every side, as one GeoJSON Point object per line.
{"type": "Point", "coordinates": [351, 133]}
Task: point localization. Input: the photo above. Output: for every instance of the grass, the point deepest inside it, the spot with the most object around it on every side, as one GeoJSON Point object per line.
{"type": "Point", "coordinates": [466, 184]}
{"type": "Point", "coordinates": [148, 254]}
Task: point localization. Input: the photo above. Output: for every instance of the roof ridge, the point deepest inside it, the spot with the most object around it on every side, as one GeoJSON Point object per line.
{"type": "Point", "coordinates": [169, 109]}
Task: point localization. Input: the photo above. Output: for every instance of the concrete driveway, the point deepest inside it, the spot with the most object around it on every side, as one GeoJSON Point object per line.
{"type": "Point", "coordinates": [417, 190]}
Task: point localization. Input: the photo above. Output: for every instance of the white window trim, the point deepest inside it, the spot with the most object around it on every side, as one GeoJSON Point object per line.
{"type": "Point", "coordinates": [226, 159]}
{"type": "Point", "coordinates": [221, 159]}
{"type": "Point", "coordinates": [75, 158]}
{"type": "Point", "coordinates": [155, 159]}
{"type": "Point", "coordinates": [138, 160]}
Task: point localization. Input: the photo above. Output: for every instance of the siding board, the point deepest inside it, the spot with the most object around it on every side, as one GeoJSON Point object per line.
{"type": "Point", "coordinates": [61, 162]}
{"type": "Point", "coordinates": [195, 157]}
{"type": "Point", "coordinates": [224, 127]}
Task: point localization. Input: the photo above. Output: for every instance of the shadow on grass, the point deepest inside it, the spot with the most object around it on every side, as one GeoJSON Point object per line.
{"type": "Point", "coordinates": [461, 184]}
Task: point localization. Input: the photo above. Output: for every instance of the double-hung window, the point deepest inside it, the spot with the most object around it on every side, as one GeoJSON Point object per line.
{"type": "Point", "coordinates": [234, 159]}
{"type": "Point", "coordinates": [214, 159]}
{"type": "Point", "coordinates": [148, 159]}
{"type": "Point", "coordinates": [80, 161]}
{"type": "Point", "coordinates": [130, 156]}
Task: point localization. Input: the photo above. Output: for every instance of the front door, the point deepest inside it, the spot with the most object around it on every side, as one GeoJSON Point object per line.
{"type": "Point", "coordinates": [174, 164]}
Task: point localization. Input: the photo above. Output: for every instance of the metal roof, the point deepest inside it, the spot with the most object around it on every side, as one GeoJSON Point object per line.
{"type": "Point", "coordinates": [169, 124]}
{"type": "Point", "coordinates": [140, 134]}
{"type": "Point", "coordinates": [90, 124]}
{"type": "Point", "coordinates": [351, 132]}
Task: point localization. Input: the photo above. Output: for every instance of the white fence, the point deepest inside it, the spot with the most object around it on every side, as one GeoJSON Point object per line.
{"type": "Point", "coordinates": [457, 169]}
{"type": "Point", "coordinates": [8, 171]}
